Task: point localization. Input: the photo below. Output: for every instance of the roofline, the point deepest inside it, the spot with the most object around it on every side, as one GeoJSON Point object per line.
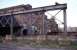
{"type": "Point", "coordinates": [13, 7]}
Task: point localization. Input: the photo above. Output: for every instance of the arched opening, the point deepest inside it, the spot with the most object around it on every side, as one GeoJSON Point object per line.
{"type": "Point", "coordinates": [25, 32]}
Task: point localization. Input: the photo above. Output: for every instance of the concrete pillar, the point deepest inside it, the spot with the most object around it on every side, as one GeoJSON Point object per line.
{"type": "Point", "coordinates": [65, 22]}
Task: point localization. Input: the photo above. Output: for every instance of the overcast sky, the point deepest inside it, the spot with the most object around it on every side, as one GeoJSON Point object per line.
{"type": "Point", "coordinates": [71, 9]}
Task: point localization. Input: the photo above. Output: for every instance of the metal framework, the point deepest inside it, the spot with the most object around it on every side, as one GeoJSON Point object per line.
{"type": "Point", "coordinates": [41, 9]}
{"type": "Point", "coordinates": [46, 8]}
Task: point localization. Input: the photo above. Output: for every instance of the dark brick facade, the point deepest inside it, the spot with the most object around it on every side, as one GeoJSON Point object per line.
{"type": "Point", "coordinates": [30, 23]}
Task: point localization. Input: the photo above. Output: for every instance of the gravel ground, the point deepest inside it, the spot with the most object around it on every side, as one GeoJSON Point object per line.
{"type": "Point", "coordinates": [14, 47]}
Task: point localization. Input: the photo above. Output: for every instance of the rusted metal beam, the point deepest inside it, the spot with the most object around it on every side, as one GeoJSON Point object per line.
{"type": "Point", "coordinates": [45, 8]}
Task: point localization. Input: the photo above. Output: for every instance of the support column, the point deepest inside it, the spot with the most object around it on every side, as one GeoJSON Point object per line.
{"type": "Point", "coordinates": [11, 26]}
{"type": "Point", "coordinates": [65, 22]}
{"type": "Point", "coordinates": [43, 23]}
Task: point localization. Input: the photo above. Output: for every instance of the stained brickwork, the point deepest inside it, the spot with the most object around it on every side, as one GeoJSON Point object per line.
{"type": "Point", "coordinates": [31, 23]}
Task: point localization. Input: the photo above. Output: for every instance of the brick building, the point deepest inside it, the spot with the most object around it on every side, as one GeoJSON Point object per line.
{"type": "Point", "coordinates": [23, 24]}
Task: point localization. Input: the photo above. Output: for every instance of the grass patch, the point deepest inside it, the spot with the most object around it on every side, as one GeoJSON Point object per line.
{"type": "Point", "coordinates": [46, 43]}
{"type": "Point", "coordinates": [41, 43]}
{"type": "Point", "coordinates": [74, 44]}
